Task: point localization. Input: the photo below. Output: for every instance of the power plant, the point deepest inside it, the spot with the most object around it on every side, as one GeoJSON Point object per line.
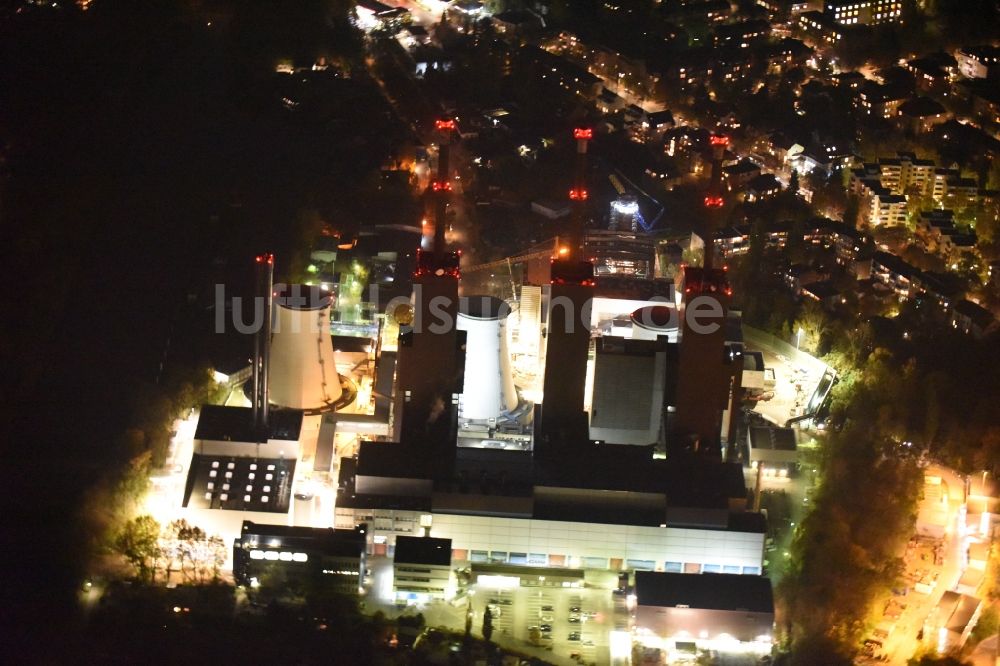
{"type": "Point", "coordinates": [488, 393]}
{"type": "Point", "coordinates": [593, 400]}
{"type": "Point", "coordinates": [303, 369]}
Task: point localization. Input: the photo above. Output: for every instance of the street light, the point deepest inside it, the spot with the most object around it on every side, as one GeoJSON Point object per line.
{"type": "Point", "coordinates": [798, 338]}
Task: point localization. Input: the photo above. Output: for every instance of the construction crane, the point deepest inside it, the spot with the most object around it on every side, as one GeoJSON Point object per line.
{"type": "Point", "coordinates": [555, 250]}
{"type": "Point", "coordinates": [509, 261]}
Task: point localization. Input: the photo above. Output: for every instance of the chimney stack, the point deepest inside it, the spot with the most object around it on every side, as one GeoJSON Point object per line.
{"type": "Point", "coordinates": [263, 288]}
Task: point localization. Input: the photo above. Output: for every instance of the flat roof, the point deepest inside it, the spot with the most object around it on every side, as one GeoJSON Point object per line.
{"type": "Point", "coordinates": [773, 438]}
{"type": "Point", "coordinates": [338, 543]}
{"type": "Point", "coordinates": [235, 424]}
{"type": "Point", "coordinates": [422, 550]}
{"type": "Point", "coordinates": [239, 483]}
{"type": "Point", "coordinates": [709, 591]}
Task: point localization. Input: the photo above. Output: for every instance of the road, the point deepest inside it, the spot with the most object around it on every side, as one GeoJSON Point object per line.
{"type": "Point", "coordinates": [902, 642]}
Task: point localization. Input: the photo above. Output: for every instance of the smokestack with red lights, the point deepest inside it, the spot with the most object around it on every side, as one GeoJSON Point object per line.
{"type": "Point", "coordinates": [579, 194]}
{"type": "Point", "coordinates": [713, 197]}
{"type": "Point", "coordinates": [263, 295]}
{"type": "Point", "coordinates": [441, 186]}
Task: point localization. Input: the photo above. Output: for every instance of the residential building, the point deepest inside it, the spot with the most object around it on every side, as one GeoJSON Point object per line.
{"type": "Point", "coordinates": [972, 318]}
{"type": "Point", "coordinates": [851, 12]}
{"type": "Point", "coordinates": [893, 272]}
{"type": "Point", "coordinates": [736, 176]}
{"type": "Point", "coordinates": [821, 26]}
{"type": "Point", "coordinates": [762, 187]}
{"type": "Point", "coordinates": [516, 22]}
{"type": "Point", "coordinates": [824, 292]}
{"type": "Point", "coordinates": [920, 114]}
{"type": "Point", "coordinates": [979, 62]}
{"type": "Point", "coordinates": [741, 34]}
{"type": "Point", "coordinates": [887, 210]}
{"type": "Point", "coordinates": [880, 101]}
{"type": "Point", "coordinates": [658, 122]}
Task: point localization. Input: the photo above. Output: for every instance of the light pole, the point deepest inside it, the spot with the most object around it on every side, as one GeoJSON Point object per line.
{"type": "Point", "coordinates": [798, 338]}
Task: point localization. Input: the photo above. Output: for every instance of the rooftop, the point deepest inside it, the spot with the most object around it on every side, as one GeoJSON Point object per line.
{"type": "Point", "coordinates": [726, 592]}
{"type": "Point", "coordinates": [422, 550]}
{"type": "Point", "coordinates": [921, 107]}
{"type": "Point", "coordinates": [343, 543]}
{"type": "Point", "coordinates": [235, 424]}
{"type": "Point", "coordinates": [239, 483]}
{"type": "Point", "coordinates": [775, 439]}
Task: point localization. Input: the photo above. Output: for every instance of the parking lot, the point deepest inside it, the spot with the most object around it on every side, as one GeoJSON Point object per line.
{"type": "Point", "coordinates": [574, 622]}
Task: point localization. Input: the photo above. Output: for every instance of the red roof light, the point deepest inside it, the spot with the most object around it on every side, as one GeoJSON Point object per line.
{"type": "Point", "coordinates": [719, 140]}
{"type": "Point", "coordinates": [583, 133]}
{"type": "Point", "coordinates": [713, 202]}
{"type": "Point", "coordinates": [444, 124]}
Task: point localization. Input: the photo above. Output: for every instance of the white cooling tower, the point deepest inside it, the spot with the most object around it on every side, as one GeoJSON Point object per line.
{"type": "Point", "coordinates": [489, 390]}
{"type": "Point", "coordinates": [303, 369]}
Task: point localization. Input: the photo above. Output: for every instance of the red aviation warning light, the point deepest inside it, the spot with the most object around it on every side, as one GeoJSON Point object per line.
{"type": "Point", "coordinates": [264, 258]}
{"type": "Point", "coordinates": [444, 124]}
{"type": "Point", "coordinates": [718, 140]}
{"type": "Point", "coordinates": [441, 186]}
{"type": "Point", "coordinates": [583, 133]}
{"type": "Point", "coordinates": [713, 201]}
{"type": "Point", "coordinates": [576, 194]}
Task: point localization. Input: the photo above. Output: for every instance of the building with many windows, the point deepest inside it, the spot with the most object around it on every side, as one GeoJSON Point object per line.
{"type": "Point", "coordinates": [422, 568]}
{"type": "Point", "coordinates": [868, 12]}
{"type": "Point", "coordinates": [334, 558]}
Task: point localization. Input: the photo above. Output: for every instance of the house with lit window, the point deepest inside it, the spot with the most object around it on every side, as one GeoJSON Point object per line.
{"type": "Point", "coordinates": [972, 319]}
{"type": "Point", "coordinates": [867, 12]}
{"type": "Point", "coordinates": [978, 62]}
{"type": "Point", "coordinates": [761, 188]}
{"type": "Point", "coordinates": [921, 114]}
{"type": "Point", "coordinates": [821, 27]}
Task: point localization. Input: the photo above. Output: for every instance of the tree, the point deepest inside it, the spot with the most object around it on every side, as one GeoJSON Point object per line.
{"type": "Point", "coordinates": [488, 624]}
{"type": "Point", "coordinates": [138, 542]}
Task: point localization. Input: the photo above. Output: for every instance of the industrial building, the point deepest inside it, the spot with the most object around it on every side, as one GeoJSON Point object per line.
{"type": "Point", "coordinates": [718, 612]}
{"type": "Point", "coordinates": [422, 569]}
{"type": "Point", "coordinates": [583, 423]}
{"type": "Point", "coordinates": [336, 558]}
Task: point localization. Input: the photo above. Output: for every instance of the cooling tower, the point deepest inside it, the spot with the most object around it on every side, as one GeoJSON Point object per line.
{"type": "Point", "coordinates": [655, 320]}
{"type": "Point", "coordinates": [303, 370]}
{"type": "Point", "coordinates": [488, 390]}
